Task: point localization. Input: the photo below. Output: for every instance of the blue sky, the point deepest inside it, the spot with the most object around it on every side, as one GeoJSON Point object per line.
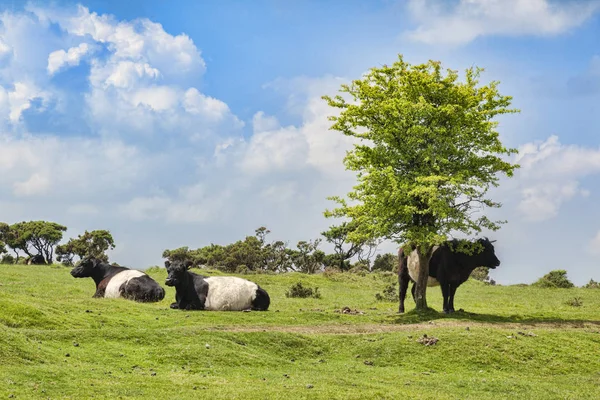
{"type": "Point", "coordinates": [197, 123]}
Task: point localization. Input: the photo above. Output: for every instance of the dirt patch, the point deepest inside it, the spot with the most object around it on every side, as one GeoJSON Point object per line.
{"type": "Point", "coordinates": [357, 329]}
{"type": "Point", "coordinates": [348, 310]}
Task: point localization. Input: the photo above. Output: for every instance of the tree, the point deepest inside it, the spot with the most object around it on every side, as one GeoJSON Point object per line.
{"type": "Point", "coordinates": [39, 236]}
{"type": "Point", "coordinates": [426, 154]}
{"type": "Point", "coordinates": [338, 236]}
{"type": "Point", "coordinates": [308, 258]}
{"type": "Point", "coordinates": [90, 244]}
{"type": "Point", "coordinates": [4, 227]}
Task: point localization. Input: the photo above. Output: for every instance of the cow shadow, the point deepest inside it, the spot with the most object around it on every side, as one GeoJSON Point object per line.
{"type": "Point", "coordinates": [414, 317]}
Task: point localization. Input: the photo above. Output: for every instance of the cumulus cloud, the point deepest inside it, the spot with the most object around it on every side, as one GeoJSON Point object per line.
{"type": "Point", "coordinates": [442, 22]}
{"type": "Point", "coordinates": [311, 144]}
{"type": "Point", "coordinates": [145, 83]}
{"type": "Point", "coordinates": [60, 58]}
{"type": "Point", "coordinates": [550, 175]}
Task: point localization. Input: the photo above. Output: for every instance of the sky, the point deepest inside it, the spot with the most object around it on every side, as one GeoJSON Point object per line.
{"type": "Point", "coordinates": [188, 123]}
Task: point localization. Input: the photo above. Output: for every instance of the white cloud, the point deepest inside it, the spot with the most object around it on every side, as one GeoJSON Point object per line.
{"type": "Point", "coordinates": [36, 184]}
{"type": "Point", "coordinates": [60, 58]}
{"type": "Point", "coordinates": [123, 74]}
{"type": "Point", "coordinates": [542, 201]}
{"type": "Point", "coordinates": [442, 22]}
{"type": "Point", "coordinates": [550, 175]}
{"type": "Point", "coordinates": [310, 145]}
{"type": "Point", "coordinates": [76, 168]}
{"type": "Point", "coordinates": [594, 245]}
{"type": "Point", "coordinates": [14, 102]}
{"type": "Point", "coordinates": [140, 39]}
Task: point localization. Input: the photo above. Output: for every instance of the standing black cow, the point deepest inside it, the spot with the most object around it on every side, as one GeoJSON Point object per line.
{"type": "Point", "coordinates": [447, 268]}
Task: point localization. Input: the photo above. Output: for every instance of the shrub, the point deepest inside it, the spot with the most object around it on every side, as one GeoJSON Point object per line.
{"type": "Point", "coordinates": [481, 274]}
{"type": "Point", "coordinates": [359, 269]}
{"type": "Point", "coordinates": [299, 290]}
{"type": "Point", "coordinates": [555, 279]}
{"type": "Point", "coordinates": [330, 272]}
{"type": "Point", "coordinates": [242, 269]}
{"type": "Point", "coordinates": [592, 284]}
{"type": "Point", "coordinates": [7, 259]}
{"type": "Point", "coordinates": [575, 302]}
{"type": "Point", "coordinates": [390, 293]}
{"type": "Point", "coordinates": [386, 262]}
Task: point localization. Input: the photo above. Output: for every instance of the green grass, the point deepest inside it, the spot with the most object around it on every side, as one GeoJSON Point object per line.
{"type": "Point", "coordinates": [58, 342]}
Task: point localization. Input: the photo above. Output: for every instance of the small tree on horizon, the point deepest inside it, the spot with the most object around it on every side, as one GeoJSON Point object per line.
{"type": "Point", "coordinates": [90, 244]}
{"type": "Point", "coordinates": [427, 153]}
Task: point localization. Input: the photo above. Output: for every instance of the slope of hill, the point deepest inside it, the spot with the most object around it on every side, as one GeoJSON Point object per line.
{"type": "Point", "coordinates": [513, 342]}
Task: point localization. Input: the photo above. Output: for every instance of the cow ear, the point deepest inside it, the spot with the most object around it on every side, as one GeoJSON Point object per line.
{"type": "Point", "coordinates": [188, 264]}
{"type": "Point", "coordinates": [167, 264]}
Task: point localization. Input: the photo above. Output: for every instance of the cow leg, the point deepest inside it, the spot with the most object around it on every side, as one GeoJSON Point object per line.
{"type": "Point", "coordinates": [452, 291]}
{"type": "Point", "coordinates": [403, 280]}
{"type": "Point", "coordinates": [445, 294]}
{"type": "Point", "coordinates": [412, 291]}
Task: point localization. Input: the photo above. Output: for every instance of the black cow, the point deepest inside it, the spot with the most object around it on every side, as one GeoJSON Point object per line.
{"type": "Point", "coordinates": [113, 282]}
{"type": "Point", "coordinates": [447, 268]}
{"type": "Point", "coordinates": [217, 293]}
{"type": "Point", "coordinates": [38, 259]}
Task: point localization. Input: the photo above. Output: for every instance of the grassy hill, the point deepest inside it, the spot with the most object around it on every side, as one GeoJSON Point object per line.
{"type": "Point", "coordinates": [512, 342]}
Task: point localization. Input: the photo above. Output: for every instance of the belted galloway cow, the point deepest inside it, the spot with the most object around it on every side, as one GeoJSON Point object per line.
{"type": "Point", "coordinates": [215, 293]}
{"type": "Point", "coordinates": [115, 281]}
{"type": "Point", "coordinates": [448, 268]}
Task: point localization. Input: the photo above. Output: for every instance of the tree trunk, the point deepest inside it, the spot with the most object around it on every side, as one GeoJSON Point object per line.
{"type": "Point", "coordinates": [424, 253]}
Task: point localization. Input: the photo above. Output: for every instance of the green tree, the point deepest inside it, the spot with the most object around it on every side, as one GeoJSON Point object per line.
{"type": "Point", "coordinates": [308, 258]}
{"type": "Point", "coordinates": [90, 244]}
{"type": "Point", "coordinates": [34, 236]}
{"type": "Point", "coordinates": [343, 247]}
{"type": "Point", "coordinates": [426, 154]}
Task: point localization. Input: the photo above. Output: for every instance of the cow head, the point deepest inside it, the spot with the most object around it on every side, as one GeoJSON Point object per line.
{"type": "Point", "coordinates": [177, 271]}
{"type": "Point", "coordinates": [488, 254]}
{"type": "Point", "coordinates": [85, 268]}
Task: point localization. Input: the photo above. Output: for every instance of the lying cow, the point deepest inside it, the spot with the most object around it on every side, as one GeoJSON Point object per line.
{"type": "Point", "coordinates": [113, 282]}
{"type": "Point", "coordinates": [447, 268]}
{"type": "Point", "coordinates": [216, 293]}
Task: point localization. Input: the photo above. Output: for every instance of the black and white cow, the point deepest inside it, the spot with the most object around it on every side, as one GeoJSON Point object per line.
{"type": "Point", "coordinates": [216, 293]}
{"type": "Point", "coordinates": [113, 282]}
{"type": "Point", "coordinates": [448, 268]}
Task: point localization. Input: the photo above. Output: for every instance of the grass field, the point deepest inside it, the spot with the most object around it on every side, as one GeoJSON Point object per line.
{"type": "Point", "coordinates": [56, 341]}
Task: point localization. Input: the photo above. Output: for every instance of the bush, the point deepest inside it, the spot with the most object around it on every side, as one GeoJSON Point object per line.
{"type": "Point", "coordinates": [386, 262]}
{"type": "Point", "coordinates": [360, 269]}
{"type": "Point", "coordinates": [390, 293]}
{"type": "Point", "coordinates": [242, 269]}
{"type": "Point", "coordinates": [299, 290]}
{"type": "Point", "coordinates": [555, 279]}
{"type": "Point", "coordinates": [592, 284]}
{"type": "Point", "coordinates": [575, 302]}
{"type": "Point", "coordinates": [7, 259]}
{"type": "Point", "coordinates": [330, 272]}
{"type": "Point", "coordinates": [481, 274]}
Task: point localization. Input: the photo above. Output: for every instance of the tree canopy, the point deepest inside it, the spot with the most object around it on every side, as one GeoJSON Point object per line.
{"type": "Point", "coordinates": [33, 237]}
{"type": "Point", "coordinates": [90, 244]}
{"type": "Point", "coordinates": [427, 152]}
